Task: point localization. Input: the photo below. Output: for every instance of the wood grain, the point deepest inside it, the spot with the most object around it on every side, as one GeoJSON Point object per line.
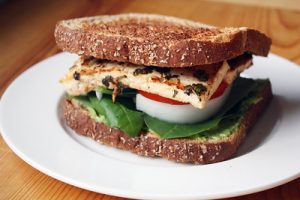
{"type": "Point", "coordinates": [287, 4]}
{"type": "Point", "coordinates": [26, 37]}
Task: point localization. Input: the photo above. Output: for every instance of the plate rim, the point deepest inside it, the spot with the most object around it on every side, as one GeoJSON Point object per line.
{"type": "Point", "coordinates": [115, 191]}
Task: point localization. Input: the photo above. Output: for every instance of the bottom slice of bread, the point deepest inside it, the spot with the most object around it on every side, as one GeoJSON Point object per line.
{"type": "Point", "coordinates": [179, 150]}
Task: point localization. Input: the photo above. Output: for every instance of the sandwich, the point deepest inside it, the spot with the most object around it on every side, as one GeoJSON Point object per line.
{"type": "Point", "coordinates": [161, 86]}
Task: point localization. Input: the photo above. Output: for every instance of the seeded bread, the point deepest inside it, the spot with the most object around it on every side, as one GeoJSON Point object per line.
{"type": "Point", "coordinates": [179, 150]}
{"type": "Point", "coordinates": [156, 40]}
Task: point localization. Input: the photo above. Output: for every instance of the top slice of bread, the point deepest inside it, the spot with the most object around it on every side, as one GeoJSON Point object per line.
{"type": "Point", "coordinates": [156, 40]}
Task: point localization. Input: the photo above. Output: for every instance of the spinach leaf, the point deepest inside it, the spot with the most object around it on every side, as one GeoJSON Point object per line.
{"type": "Point", "coordinates": [240, 89]}
{"type": "Point", "coordinates": [117, 115]}
{"type": "Point", "coordinates": [168, 130]}
{"type": "Point", "coordinates": [125, 97]}
{"type": "Point", "coordinates": [127, 102]}
{"type": "Point", "coordinates": [224, 128]}
{"type": "Point", "coordinates": [84, 101]}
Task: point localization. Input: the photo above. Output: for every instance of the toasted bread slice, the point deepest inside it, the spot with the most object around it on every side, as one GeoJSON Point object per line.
{"type": "Point", "coordinates": [156, 40]}
{"type": "Point", "coordinates": [179, 84]}
{"type": "Point", "coordinates": [198, 151]}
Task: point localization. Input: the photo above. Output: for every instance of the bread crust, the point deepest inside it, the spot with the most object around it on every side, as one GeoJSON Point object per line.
{"type": "Point", "coordinates": [163, 41]}
{"type": "Point", "coordinates": [179, 150]}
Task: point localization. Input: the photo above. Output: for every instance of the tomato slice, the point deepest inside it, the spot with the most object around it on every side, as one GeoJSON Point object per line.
{"type": "Point", "coordinates": [159, 98]}
{"type": "Point", "coordinates": [221, 89]}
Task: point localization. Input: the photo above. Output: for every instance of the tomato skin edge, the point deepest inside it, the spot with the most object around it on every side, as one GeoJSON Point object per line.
{"type": "Point", "coordinates": [161, 99]}
{"type": "Point", "coordinates": [220, 90]}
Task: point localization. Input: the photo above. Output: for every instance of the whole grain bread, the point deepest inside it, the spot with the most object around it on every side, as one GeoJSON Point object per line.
{"type": "Point", "coordinates": [179, 150]}
{"type": "Point", "coordinates": [156, 40]}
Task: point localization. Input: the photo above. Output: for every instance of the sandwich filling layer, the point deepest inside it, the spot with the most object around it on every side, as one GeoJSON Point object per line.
{"type": "Point", "coordinates": [193, 85]}
{"type": "Point", "coordinates": [123, 115]}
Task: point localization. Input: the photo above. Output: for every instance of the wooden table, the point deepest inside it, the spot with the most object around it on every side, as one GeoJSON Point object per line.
{"type": "Point", "coordinates": [26, 37]}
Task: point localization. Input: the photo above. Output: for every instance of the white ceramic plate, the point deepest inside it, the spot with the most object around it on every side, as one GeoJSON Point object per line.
{"type": "Point", "coordinates": [32, 127]}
